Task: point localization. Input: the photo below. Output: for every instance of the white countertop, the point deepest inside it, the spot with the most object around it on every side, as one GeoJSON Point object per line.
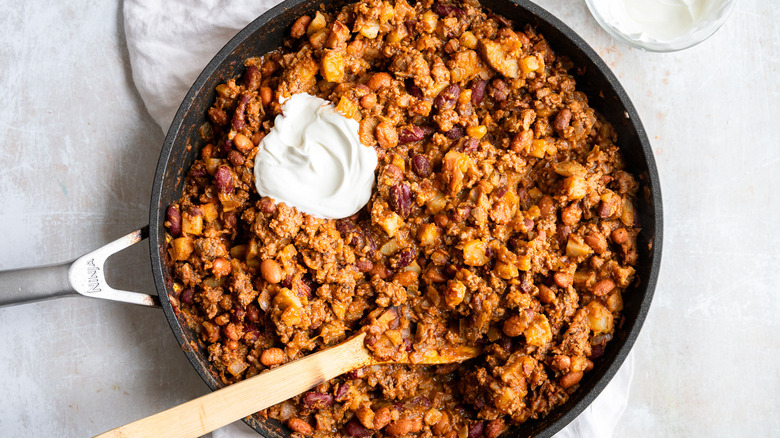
{"type": "Point", "coordinates": [77, 158]}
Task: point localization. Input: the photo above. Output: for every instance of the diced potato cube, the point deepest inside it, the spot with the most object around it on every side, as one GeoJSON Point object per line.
{"type": "Point", "coordinates": [333, 66]}
{"type": "Point", "coordinates": [287, 298]}
{"type": "Point", "coordinates": [182, 248]}
{"type": "Point", "coordinates": [291, 316]}
{"type": "Point", "coordinates": [348, 107]}
{"type": "Point", "coordinates": [476, 131]}
{"type": "Point", "coordinates": [538, 332]}
{"type": "Point", "coordinates": [390, 247]}
{"type": "Point", "coordinates": [524, 262]}
{"type": "Point", "coordinates": [391, 222]}
{"type": "Point", "coordinates": [534, 212]}
{"type": "Point", "coordinates": [576, 247]}
{"type": "Point", "coordinates": [498, 58]}
{"type": "Point", "coordinates": [429, 21]}
{"type": "Point", "coordinates": [468, 40]}
{"type": "Point", "coordinates": [210, 212]}
{"type": "Point", "coordinates": [388, 12]}
{"type": "Point", "coordinates": [369, 29]}
{"type": "Point", "coordinates": [229, 201]}
{"type": "Point", "coordinates": [506, 271]}
{"type": "Point", "coordinates": [538, 148]}
{"type": "Point", "coordinates": [627, 216]}
{"type": "Point", "coordinates": [437, 203]}
{"type": "Point", "coordinates": [212, 164]}
{"type": "Point", "coordinates": [474, 253]}
{"type": "Point", "coordinates": [575, 187]}
{"type": "Point", "coordinates": [569, 168]}
{"type": "Point", "coordinates": [529, 64]}
{"type": "Point", "coordinates": [192, 223]}
{"type": "Point", "coordinates": [429, 235]}
{"type": "Point", "coordinates": [395, 336]}
{"type": "Point", "coordinates": [600, 320]}
{"type": "Point", "coordinates": [317, 23]}
{"type": "Point", "coordinates": [455, 293]}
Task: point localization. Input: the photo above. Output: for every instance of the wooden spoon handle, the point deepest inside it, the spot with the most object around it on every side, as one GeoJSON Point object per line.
{"type": "Point", "coordinates": [219, 408]}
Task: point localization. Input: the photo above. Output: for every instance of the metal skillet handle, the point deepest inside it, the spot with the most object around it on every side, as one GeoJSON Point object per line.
{"type": "Point", "coordinates": [84, 276]}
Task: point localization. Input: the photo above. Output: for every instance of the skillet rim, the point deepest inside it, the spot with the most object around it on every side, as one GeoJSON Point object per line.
{"type": "Point", "coordinates": [576, 43]}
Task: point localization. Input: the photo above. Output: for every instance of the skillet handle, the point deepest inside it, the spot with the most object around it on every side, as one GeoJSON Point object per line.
{"type": "Point", "coordinates": [19, 286]}
{"type": "Point", "coordinates": [84, 276]}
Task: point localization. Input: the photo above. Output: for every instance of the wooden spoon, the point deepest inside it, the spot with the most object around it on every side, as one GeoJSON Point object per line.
{"type": "Point", "coordinates": [236, 401]}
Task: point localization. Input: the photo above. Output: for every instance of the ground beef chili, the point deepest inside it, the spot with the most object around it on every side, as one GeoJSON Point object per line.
{"type": "Point", "coordinates": [501, 218]}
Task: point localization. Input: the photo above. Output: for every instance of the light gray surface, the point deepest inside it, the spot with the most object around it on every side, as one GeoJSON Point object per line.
{"type": "Point", "coordinates": [77, 155]}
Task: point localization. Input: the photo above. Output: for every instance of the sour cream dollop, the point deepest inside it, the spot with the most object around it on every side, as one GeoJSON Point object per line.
{"type": "Point", "coordinates": [312, 159]}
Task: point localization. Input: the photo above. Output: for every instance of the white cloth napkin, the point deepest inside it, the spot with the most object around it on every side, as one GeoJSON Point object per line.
{"type": "Point", "coordinates": [170, 41]}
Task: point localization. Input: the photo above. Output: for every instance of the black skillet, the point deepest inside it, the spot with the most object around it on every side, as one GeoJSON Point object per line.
{"type": "Point", "coordinates": [183, 142]}
{"type": "Point", "coordinates": [593, 77]}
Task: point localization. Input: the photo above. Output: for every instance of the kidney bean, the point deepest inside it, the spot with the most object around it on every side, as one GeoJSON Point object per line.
{"type": "Point", "coordinates": [364, 265]}
{"type": "Point", "coordinates": [401, 199]}
{"type": "Point", "coordinates": [345, 226]}
{"type": "Point", "coordinates": [239, 115]}
{"type": "Point", "coordinates": [476, 429]}
{"type": "Point", "coordinates": [460, 213]}
{"type": "Point", "coordinates": [411, 134]}
{"type": "Point", "coordinates": [186, 296]}
{"type": "Point", "coordinates": [317, 400]}
{"type": "Point", "coordinates": [252, 313]}
{"type": "Point", "coordinates": [413, 89]}
{"type": "Point", "coordinates": [445, 10]}
{"type": "Point", "coordinates": [342, 390]}
{"type": "Point", "coordinates": [223, 178]}
{"type": "Point", "coordinates": [562, 120]}
{"type": "Point", "coordinates": [506, 343]}
{"type": "Point", "coordinates": [225, 147]}
{"type": "Point", "coordinates": [173, 216]}
{"type": "Point", "coordinates": [421, 166]}
{"type": "Point", "coordinates": [478, 91]}
{"type": "Point", "coordinates": [354, 428]}
{"type": "Point", "coordinates": [562, 234]}
{"type": "Point", "coordinates": [403, 258]}
{"type": "Point", "coordinates": [229, 219]}
{"type": "Point", "coordinates": [422, 401]}
{"type": "Point", "coordinates": [498, 90]}
{"type": "Point", "coordinates": [455, 133]}
{"type": "Point", "coordinates": [467, 145]}
{"type": "Point", "coordinates": [267, 205]}
{"type": "Point", "coordinates": [252, 78]}
{"type": "Point", "coordinates": [596, 351]}
{"type": "Point", "coordinates": [447, 97]}
{"type": "Point", "coordinates": [251, 332]}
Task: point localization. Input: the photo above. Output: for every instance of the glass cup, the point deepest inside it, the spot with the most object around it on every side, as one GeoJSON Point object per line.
{"type": "Point", "coordinates": [661, 25]}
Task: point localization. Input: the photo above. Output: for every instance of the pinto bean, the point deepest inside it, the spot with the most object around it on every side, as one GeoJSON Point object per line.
{"type": "Point", "coordinates": [272, 356]}
{"type": "Point", "coordinates": [571, 379]}
{"type": "Point", "coordinates": [300, 426]}
{"type": "Point", "coordinates": [271, 271]}
{"type": "Point", "coordinates": [603, 287]}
